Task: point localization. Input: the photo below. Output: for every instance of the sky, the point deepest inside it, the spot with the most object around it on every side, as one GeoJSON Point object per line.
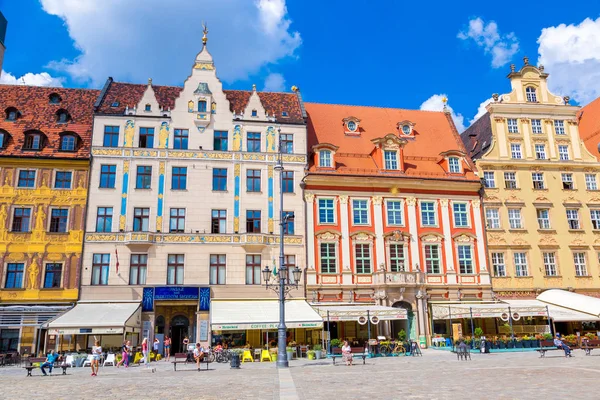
{"type": "Point", "coordinates": [388, 53]}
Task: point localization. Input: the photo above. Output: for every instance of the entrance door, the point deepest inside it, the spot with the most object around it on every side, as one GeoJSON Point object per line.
{"type": "Point", "coordinates": [408, 326]}
{"type": "Point", "coordinates": [179, 330]}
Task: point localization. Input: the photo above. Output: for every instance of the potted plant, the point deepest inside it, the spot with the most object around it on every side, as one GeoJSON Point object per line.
{"type": "Point", "coordinates": [318, 351]}
{"type": "Point", "coordinates": [519, 343]}
{"type": "Point", "coordinates": [336, 343]}
{"type": "Point", "coordinates": [478, 332]}
{"type": "Point", "coordinates": [290, 352]}
{"type": "Point", "coordinates": [402, 335]}
{"type": "Point", "coordinates": [311, 354]}
{"type": "Point", "coordinates": [501, 343]}
{"type": "Point", "coordinates": [526, 342]}
{"type": "Point", "coordinates": [590, 336]}
{"type": "Point", "coordinates": [510, 343]}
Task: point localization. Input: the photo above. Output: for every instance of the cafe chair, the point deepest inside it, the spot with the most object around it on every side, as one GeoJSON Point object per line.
{"type": "Point", "coordinates": [110, 359]}
{"type": "Point", "coordinates": [247, 356]}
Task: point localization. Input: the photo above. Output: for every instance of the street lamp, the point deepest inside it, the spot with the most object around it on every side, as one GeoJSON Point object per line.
{"type": "Point", "coordinates": [283, 285]}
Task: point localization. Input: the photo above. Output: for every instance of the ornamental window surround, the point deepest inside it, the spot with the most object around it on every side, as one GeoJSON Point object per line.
{"type": "Point", "coordinates": [531, 95]}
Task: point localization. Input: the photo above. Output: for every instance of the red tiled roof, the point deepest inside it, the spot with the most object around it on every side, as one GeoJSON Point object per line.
{"type": "Point", "coordinates": [36, 113]}
{"type": "Point", "coordinates": [129, 94]}
{"type": "Point", "coordinates": [589, 126]}
{"type": "Point", "coordinates": [434, 133]}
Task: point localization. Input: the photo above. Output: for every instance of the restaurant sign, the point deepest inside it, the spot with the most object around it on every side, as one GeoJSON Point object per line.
{"type": "Point", "coordinates": [201, 294]}
{"type": "Point", "coordinates": [274, 325]}
{"type": "Point", "coordinates": [83, 331]}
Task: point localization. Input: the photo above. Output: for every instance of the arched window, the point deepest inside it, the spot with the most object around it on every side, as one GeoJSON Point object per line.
{"type": "Point", "coordinates": [12, 114]}
{"type": "Point", "coordinates": [201, 105]}
{"type": "Point", "coordinates": [3, 138]}
{"type": "Point", "coordinates": [33, 141]}
{"type": "Point", "coordinates": [531, 95]}
{"type": "Point", "coordinates": [325, 159]}
{"type": "Point", "coordinates": [54, 98]}
{"type": "Point", "coordinates": [68, 142]}
{"type": "Point", "coordinates": [62, 116]}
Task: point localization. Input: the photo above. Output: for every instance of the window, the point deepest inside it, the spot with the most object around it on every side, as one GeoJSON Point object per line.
{"type": "Point", "coordinates": [3, 139]}
{"type": "Point", "coordinates": [147, 107]}
{"type": "Point", "coordinates": [513, 126]}
{"type": "Point", "coordinates": [520, 264]}
{"type": "Point", "coordinates": [559, 127]}
{"type": "Point", "coordinates": [530, 93]}
{"type": "Point", "coordinates": [580, 265]}
{"type": "Point", "coordinates": [536, 125]}
{"type": "Point", "coordinates": [146, 138]}
{"type": "Point", "coordinates": [432, 258]}
{"type": "Point", "coordinates": [288, 226]}
{"type": "Point", "coordinates": [108, 175]}
{"type": "Point", "coordinates": [595, 216]}
{"type": "Point", "coordinates": [288, 181]}
{"type": "Point", "coordinates": [391, 159]}
{"type": "Point", "coordinates": [14, 276]}
{"type": "Point", "coordinates": [11, 114]}
{"type": "Point", "coordinates": [52, 275]}
{"type": "Point", "coordinates": [218, 222]}
{"type": "Point", "coordinates": [54, 98]}
{"type": "Point", "coordinates": [428, 217]}
{"type": "Point", "coordinates": [538, 180]}
{"type": "Point", "coordinates": [284, 113]}
{"type": "Point", "coordinates": [26, 178]}
{"type": "Point", "coordinates": [111, 136]}
{"type": "Point", "coordinates": [492, 218]}
{"type": "Point", "coordinates": [180, 139]}
{"type": "Point", "coordinates": [351, 126]}
{"type": "Point", "coordinates": [63, 180]}
{"type": "Point", "coordinates": [219, 179]}
{"type": "Point", "coordinates": [510, 180]}
{"type": "Point", "coordinates": [141, 219]}
{"type": "Point", "coordinates": [590, 182]}
{"type": "Point", "coordinates": [58, 220]}
{"type": "Point", "coordinates": [138, 267]}
{"type": "Point", "coordinates": [573, 218]}
{"type": "Point", "coordinates": [454, 165]}
{"type": "Point", "coordinates": [515, 150]}
{"type": "Point", "coordinates": [21, 218]}
{"type": "Point", "coordinates": [253, 269]}
{"type": "Point", "coordinates": [175, 269]}
{"type": "Point", "coordinates": [567, 181]}
{"type": "Point", "coordinates": [489, 179]}
{"type": "Point", "coordinates": [325, 159]}
{"type": "Point", "coordinates": [254, 113]}
{"type": "Point", "coordinates": [465, 259]}
{"type": "Point", "coordinates": [201, 105]}
{"type": "Point", "coordinates": [287, 143]}
{"type": "Point", "coordinates": [104, 219]}
{"type": "Point", "coordinates": [100, 268]}
{"type": "Point", "coordinates": [33, 141]}
{"type": "Point", "coordinates": [68, 143]}
{"type": "Point", "coordinates": [563, 152]}
{"type": "Point", "coordinates": [177, 221]}
{"type": "Point", "coordinates": [362, 258]}
{"type": "Point", "coordinates": [179, 178]}
{"type": "Point", "coordinates": [253, 180]}
{"type": "Point", "coordinates": [498, 264]}
{"type": "Point", "coordinates": [289, 261]}
{"type": "Point", "coordinates": [253, 142]}
{"type": "Point", "coordinates": [326, 211]}
{"type": "Point", "coordinates": [549, 264]}
{"type": "Point", "coordinates": [543, 218]}
{"type": "Point", "coordinates": [394, 212]}
{"type": "Point", "coordinates": [328, 259]}
{"type": "Point", "coordinates": [540, 151]}
{"type": "Point", "coordinates": [220, 140]}
{"type": "Point", "coordinates": [360, 212]}
{"type": "Point", "coordinates": [514, 218]}
{"type": "Point", "coordinates": [461, 216]}
{"type": "Point", "coordinates": [217, 269]}
{"type": "Point", "coordinates": [397, 257]}
{"type": "Point", "coordinates": [144, 177]}
{"type": "Point", "coordinates": [253, 221]}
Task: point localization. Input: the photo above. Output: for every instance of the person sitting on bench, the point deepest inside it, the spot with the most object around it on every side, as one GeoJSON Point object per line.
{"type": "Point", "coordinates": [50, 360]}
{"type": "Point", "coordinates": [198, 355]}
{"type": "Point", "coordinates": [562, 345]}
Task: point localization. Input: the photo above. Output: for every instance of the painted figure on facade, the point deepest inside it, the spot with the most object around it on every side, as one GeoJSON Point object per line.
{"type": "Point", "coordinates": [270, 140]}
{"type": "Point", "coordinates": [3, 215]}
{"type": "Point", "coordinates": [39, 219]}
{"type": "Point", "coordinates": [8, 178]}
{"type": "Point", "coordinates": [33, 274]}
{"type": "Point", "coordinates": [213, 108]}
{"type": "Point", "coordinates": [129, 132]}
{"type": "Point", "coordinates": [163, 136]}
{"type": "Point", "coordinates": [237, 138]}
{"type": "Point", "coordinates": [191, 106]}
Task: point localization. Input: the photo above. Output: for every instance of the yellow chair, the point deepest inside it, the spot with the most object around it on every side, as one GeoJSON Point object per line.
{"type": "Point", "coordinates": [247, 355]}
{"type": "Point", "coordinates": [265, 355]}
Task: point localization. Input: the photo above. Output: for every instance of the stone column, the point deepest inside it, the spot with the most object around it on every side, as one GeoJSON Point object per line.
{"type": "Point", "coordinates": [413, 228]}
{"type": "Point", "coordinates": [379, 243]}
{"type": "Point", "coordinates": [310, 230]}
{"type": "Point", "coordinates": [344, 225]}
{"type": "Point", "coordinates": [449, 259]}
{"type": "Point", "coordinates": [421, 313]}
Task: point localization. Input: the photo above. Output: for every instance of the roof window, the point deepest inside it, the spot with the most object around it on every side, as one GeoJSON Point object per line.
{"type": "Point", "coordinates": [54, 98]}
{"type": "Point", "coordinates": [12, 114]}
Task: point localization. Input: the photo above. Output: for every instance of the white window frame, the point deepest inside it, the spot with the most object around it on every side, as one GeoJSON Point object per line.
{"type": "Point", "coordinates": [515, 151]}
{"type": "Point", "coordinates": [369, 258]}
{"type": "Point", "coordinates": [454, 165]}
{"type": "Point", "coordinates": [404, 255]}
{"type": "Point", "coordinates": [559, 127]}
{"type": "Point", "coordinates": [595, 218]}
{"type": "Point", "coordinates": [537, 178]}
{"type": "Point", "coordinates": [531, 94]}
{"type": "Point", "coordinates": [333, 200]}
{"type": "Point", "coordinates": [543, 222]}
{"type": "Point", "coordinates": [540, 151]}
{"type": "Point", "coordinates": [465, 212]}
{"type": "Point", "coordinates": [498, 264]}
{"type": "Point", "coordinates": [492, 218]}
{"type": "Point", "coordinates": [511, 218]}
{"type": "Point", "coordinates": [435, 212]}
{"type": "Point", "coordinates": [513, 125]}
{"type": "Point", "coordinates": [536, 126]}
{"type": "Point", "coordinates": [563, 152]}
{"type": "Point", "coordinates": [337, 259]}
{"type": "Point", "coordinates": [591, 183]}
{"type": "Point", "coordinates": [439, 258]}
{"type": "Point", "coordinates": [567, 177]}
{"type": "Point", "coordinates": [521, 263]}
{"type": "Point", "coordinates": [49, 218]}
{"type": "Point", "coordinates": [471, 258]}
{"type": "Point", "coordinates": [400, 210]}
{"type": "Point", "coordinates": [325, 162]}
{"type": "Point", "coordinates": [573, 218]}
{"type": "Point", "coordinates": [391, 163]}
{"type": "Point", "coordinates": [550, 265]}
{"type": "Point", "coordinates": [580, 263]}
{"type": "Point", "coordinates": [514, 175]}
{"type": "Point", "coordinates": [488, 180]}
{"type": "Point", "coordinates": [368, 211]}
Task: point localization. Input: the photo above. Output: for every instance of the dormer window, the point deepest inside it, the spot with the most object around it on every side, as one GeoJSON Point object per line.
{"type": "Point", "coordinates": [284, 113]}
{"type": "Point", "coordinates": [33, 141]}
{"type": "Point", "coordinates": [352, 126]}
{"type": "Point", "coordinates": [54, 98]}
{"type": "Point", "coordinates": [68, 142]}
{"type": "Point", "coordinates": [115, 104]}
{"type": "Point", "coordinates": [12, 114]}
{"type": "Point", "coordinates": [391, 159]}
{"type": "Point", "coordinates": [454, 165]}
{"type": "Point", "coordinates": [3, 139]}
{"type": "Point", "coordinates": [62, 116]}
{"type": "Point", "coordinates": [254, 113]}
{"type": "Point", "coordinates": [325, 159]}
{"type": "Point", "coordinates": [148, 107]}
{"type": "Point", "coordinates": [406, 129]}
{"type": "Point", "coordinates": [531, 95]}
{"type": "Point", "coordinates": [201, 105]}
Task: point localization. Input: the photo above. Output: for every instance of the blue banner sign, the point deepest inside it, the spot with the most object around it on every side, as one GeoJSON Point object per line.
{"type": "Point", "coordinates": [176, 293]}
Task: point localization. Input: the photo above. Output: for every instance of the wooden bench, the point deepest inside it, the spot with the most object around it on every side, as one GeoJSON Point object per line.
{"type": "Point", "coordinates": [182, 358]}
{"type": "Point", "coordinates": [33, 360]}
{"type": "Point", "coordinates": [358, 352]}
{"type": "Point", "coordinates": [548, 345]}
{"type": "Point", "coordinates": [589, 345]}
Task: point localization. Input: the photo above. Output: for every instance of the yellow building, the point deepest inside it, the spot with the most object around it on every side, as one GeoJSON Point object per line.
{"type": "Point", "coordinates": [542, 203]}
{"type": "Point", "coordinates": [44, 161]}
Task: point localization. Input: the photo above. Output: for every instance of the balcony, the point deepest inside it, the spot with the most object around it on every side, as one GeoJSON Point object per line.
{"type": "Point", "coordinates": [395, 278]}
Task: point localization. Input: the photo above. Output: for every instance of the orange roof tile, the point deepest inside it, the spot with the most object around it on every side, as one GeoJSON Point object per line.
{"type": "Point", "coordinates": [434, 133]}
{"type": "Point", "coordinates": [589, 126]}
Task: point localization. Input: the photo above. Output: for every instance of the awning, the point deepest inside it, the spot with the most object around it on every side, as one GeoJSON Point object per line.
{"type": "Point", "coordinates": [558, 314]}
{"type": "Point", "coordinates": [574, 301]}
{"type": "Point", "coordinates": [98, 318]}
{"type": "Point", "coordinates": [24, 315]}
{"type": "Point", "coordinates": [352, 312]}
{"type": "Point", "coordinates": [228, 315]}
{"type": "Point", "coordinates": [485, 310]}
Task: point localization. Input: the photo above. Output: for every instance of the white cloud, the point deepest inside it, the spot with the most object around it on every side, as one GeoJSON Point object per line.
{"type": "Point", "coordinates": [274, 82]}
{"type": "Point", "coordinates": [138, 39]}
{"type": "Point", "coordinates": [481, 110]}
{"type": "Point", "coordinates": [436, 103]}
{"type": "Point", "coordinates": [30, 79]}
{"type": "Point", "coordinates": [501, 47]}
{"type": "Point", "coordinates": [571, 54]}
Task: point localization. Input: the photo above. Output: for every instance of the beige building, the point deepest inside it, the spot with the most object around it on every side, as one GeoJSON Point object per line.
{"type": "Point", "coordinates": [184, 201]}
{"type": "Point", "coordinates": [541, 203]}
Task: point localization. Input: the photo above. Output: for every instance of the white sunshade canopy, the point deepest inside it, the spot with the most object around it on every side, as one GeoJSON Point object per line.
{"type": "Point", "coordinates": [486, 310]}
{"type": "Point", "coordinates": [228, 315]}
{"type": "Point", "coordinates": [342, 312]}
{"type": "Point", "coordinates": [574, 301]}
{"type": "Point", "coordinates": [98, 318]}
{"type": "Point", "coordinates": [558, 314]}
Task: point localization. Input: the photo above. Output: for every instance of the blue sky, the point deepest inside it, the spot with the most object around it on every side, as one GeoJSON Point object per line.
{"type": "Point", "coordinates": [381, 53]}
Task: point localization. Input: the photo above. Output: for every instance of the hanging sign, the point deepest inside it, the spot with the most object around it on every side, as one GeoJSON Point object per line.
{"type": "Point", "coordinates": [516, 316]}
{"type": "Point", "coordinates": [374, 320]}
{"type": "Point", "coordinates": [504, 317]}
{"type": "Point", "coordinates": [362, 320]}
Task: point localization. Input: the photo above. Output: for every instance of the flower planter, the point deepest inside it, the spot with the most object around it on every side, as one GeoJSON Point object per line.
{"type": "Point", "coordinates": [311, 356]}
{"type": "Point", "coordinates": [318, 354]}
{"type": "Point", "coordinates": [510, 345]}
{"type": "Point", "coordinates": [526, 344]}
{"type": "Point", "coordinates": [290, 354]}
{"type": "Point", "coordinates": [518, 345]}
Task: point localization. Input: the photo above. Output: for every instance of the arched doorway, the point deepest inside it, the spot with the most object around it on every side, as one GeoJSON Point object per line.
{"type": "Point", "coordinates": [409, 325]}
{"type": "Point", "coordinates": [179, 330]}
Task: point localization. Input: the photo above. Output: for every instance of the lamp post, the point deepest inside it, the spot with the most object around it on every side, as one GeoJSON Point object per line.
{"type": "Point", "coordinates": [283, 286]}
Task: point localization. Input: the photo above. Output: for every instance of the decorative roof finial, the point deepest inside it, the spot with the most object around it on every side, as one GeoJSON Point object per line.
{"type": "Point", "coordinates": [495, 96]}
{"type": "Point", "coordinates": [254, 87]}
{"type": "Point", "coordinates": [566, 100]}
{"type": "Point", "coordinates": [512, 67]}
{"type": "Point", "coordinates": [526, 60]}
{"type": "Point", "coordinates": [149, 81]}
{"type": "Point", "coordinates": [295, 88]}
{"type": "Point", "coordinates": [445, 101]}
{"type": "Point", "coordinates": [205, 31]}
{"type": "Point", "coordinates": [541, 68]}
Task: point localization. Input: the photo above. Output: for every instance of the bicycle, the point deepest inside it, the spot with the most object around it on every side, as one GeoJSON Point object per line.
{"type": "Point", "coordinates": [392, 349]}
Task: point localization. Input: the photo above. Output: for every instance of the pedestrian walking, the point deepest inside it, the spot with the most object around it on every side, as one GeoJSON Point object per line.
{"type": "Point", "coordinates": [167, 345]}
{"type": "Point", "coordinates": [347, 353]}
{"type": "Point", "coordinates": [50, 360]}
{"type": "Point", "coordinates": [125, 349]}
{"type": "Point", "coordinates": [96, 355]}
{"type": "Point", "coordinates": [145, 352]}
